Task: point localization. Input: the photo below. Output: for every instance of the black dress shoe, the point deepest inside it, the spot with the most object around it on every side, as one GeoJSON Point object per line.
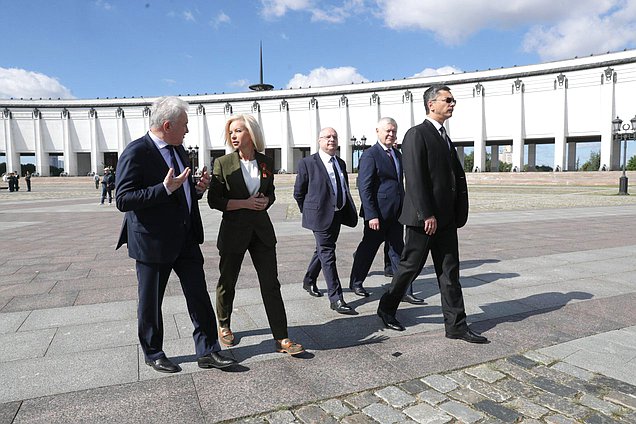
{"type": "Point", "coordinates": [360, 291]}
{"type": "Point", "coordinates": [388, 272]}
{"type": "Point", "coordinates": [468, 336]}
{"type": "Point", "coordinates": [215, 360]}
{"type": "Point", "coordinates": [163, 365]}
{"type": "Point", "coordinates": [390, 321]}
{"type": "Point", "coordinates": [342, 308]}
{"type": "Point", "coordinates": [410, 298]}
{"type": "Point", "coordinates": [312, 290]}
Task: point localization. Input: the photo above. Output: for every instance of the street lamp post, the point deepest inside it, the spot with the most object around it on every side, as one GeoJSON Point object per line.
{"type": "Point", "coordinates": [624, 132]}
{"type": "Point", "coordinates": [193, 153]}
{"type": "Point", "coordinates": [358, 147]}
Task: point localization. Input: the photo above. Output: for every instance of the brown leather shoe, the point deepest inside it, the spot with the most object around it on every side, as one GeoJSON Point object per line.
{"type": "Point", "coordinates": [289, 347]}
{"type": "Point", "coordinates": [226, 337]}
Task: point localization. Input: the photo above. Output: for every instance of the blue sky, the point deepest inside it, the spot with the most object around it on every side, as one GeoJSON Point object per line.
{"type": "Point", "coordinates": [125, 48]}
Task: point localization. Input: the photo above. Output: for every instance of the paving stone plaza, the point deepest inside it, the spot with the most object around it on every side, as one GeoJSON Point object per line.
{"type": "Point", "coordinates": [548, 265]}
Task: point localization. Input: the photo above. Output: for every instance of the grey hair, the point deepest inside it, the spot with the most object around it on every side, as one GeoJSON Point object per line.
{"type": "Point", "coordinates": [386, 120]}
{"type": "Point", "coordinates": [431, 93]}
{"type": "Point", "coordinates": [167, 109]}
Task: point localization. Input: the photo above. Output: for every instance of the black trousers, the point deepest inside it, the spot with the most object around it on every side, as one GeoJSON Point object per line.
{"type": "Point", "coordinates": [264, 259]}
{"type": "Point", "coordinates": [153, 278]}
{"type": "Point", "coordinates": [444, 249]}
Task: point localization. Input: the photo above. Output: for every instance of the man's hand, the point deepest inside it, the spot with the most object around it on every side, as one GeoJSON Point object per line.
{"type": "Point", "coordinates": [374, 224]}
{"type": "Point", "coordinates": [203, 184]}
{"type": "Point", "coordinates": [430, 225]}
{"type": "Point", "coordinates": [172, 183]}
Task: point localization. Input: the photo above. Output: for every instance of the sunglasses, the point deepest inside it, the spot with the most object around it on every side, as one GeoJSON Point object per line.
{"type": "Point", "coordinates": [448, 100]}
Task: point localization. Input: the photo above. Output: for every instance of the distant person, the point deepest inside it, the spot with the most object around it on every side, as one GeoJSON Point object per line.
{"type": "Point", "coordinates": [242, 187]}
{"type": "Point", "coordinates": [27, 178]}
{"type": "Point", "coordinates": [12, 181]}
{"type": "Point", "coordinates": [108, 185]}
{"type": "Point", "coordinates": [435, 206]}
{"type": "Point", "coordinates": [381, 188]}
{"type": "Point", "coordinates": [162, 227]}
{"type": "Point", "coordinates": [16, 184]}
{"type": "Point", "coordinates": [96, 179]}
{"type": "Point", "coordinates": [322, 193]}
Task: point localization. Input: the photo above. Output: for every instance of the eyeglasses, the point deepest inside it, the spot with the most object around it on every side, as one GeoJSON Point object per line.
{"type": "Point", "coordinates": [327, 137]}
{"type": "Point", "coordinates": [448, 100]}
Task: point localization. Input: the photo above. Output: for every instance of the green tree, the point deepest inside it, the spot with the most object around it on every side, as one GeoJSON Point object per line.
{"type": "Point", "coordinates": [593, 163]}
{"type": "Point", "coordinates": [469, 160]}
{"type": "Point", "coordinates": [631, 164]}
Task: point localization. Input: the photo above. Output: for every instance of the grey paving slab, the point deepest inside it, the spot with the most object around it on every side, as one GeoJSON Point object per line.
{"type": "Point", "coordinates": [8, 411]}
{"type": "Point", "coordinates": [11, 322]}
{"type": "Point", "coordinates": [25, 344]}
{"type": "Point", "coordinates": [40, 301]}
{"type": "Point", "coordinates": [170, 400]}
{"type": "Point", "coordinates": [265, 386]}
{"type": "Point", "coordinates": [83, 314]}
{"type": "Point", "coordinates": [26, 289]}
{"type": "Point", "coordinates": [33, 378]}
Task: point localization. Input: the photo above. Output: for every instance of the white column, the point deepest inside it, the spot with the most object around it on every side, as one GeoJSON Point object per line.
{"type": "Point", "coordinates": [204, 149]}
{"type": "Point", "coordinates": [314, 125]}
{"type": "Point", "coordinates": [479, 156]}
{"type": "Point", "coordinates": [518, 127]}
{"type": "Point", "coordinates": [121, 140]}
{"type": "Point", "coordinates": [228, 113]}
{"type": "Point", "coordinates": [374, 102]}
{"type": "Point", "coordinates": [13, 159]}
{"type": "Point", "coordinates": [286, 148]}
{"type": "Point", "coordinates": [346, 149]}
{"type": "Point", "coordinates": [41, 158]}
{"type": "Point", "coordinates": [70, 160]}
{"type": "Point", "coordinates": [608, 83]}
{"type": "Point", "coordinates": [97, 163]}
{"type": "Point", "coordinates": [407, 99]}
{"type": "Point", "coordinates": [561, 124]}
{"type": "Point", "coordinates": [146, 119]}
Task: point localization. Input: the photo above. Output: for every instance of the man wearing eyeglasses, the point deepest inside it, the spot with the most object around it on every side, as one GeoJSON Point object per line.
{"type": "Point", "coordinates": [435, 206]}
{"type": "Point", "coordinates": [322, 193]}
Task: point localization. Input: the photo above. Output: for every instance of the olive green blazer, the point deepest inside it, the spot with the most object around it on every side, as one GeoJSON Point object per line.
{"type": "Point", "coordinates": [238, 226]}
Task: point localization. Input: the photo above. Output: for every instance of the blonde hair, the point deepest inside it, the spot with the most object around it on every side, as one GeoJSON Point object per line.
{"type": "Point", "coordinates": [256, 134]}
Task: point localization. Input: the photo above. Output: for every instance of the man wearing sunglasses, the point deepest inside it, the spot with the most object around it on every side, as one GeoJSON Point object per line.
{"type": "Point", "coordinates": [435, 206]}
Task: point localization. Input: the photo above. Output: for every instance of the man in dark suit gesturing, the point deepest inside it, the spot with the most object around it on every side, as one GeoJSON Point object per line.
{"type": "Point", "coordinates": [381, 188]}
{"type": "Point", "coordinates": [162, 227]}
{"type": "Point", "coordinates": [322, 193]}
{"type": "Point", "coordinates": [435, 206]}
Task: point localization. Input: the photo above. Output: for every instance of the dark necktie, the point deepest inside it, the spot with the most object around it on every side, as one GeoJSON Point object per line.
{"type": "Point", "coordinates": [445, 137]}
{"type": "Point", "coordinates": [173, 160]}
{"type": "Point", "coordinates": [388, 153]}
{"type": "Point", "coordinates": [339, 193]}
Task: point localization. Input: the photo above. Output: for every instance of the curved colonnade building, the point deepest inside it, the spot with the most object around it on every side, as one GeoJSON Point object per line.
{"type": "Point", "coordinates": [558, 103]}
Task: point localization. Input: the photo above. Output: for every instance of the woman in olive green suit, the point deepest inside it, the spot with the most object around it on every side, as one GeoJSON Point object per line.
{"type": "Point", "coordinates": [242, 187]}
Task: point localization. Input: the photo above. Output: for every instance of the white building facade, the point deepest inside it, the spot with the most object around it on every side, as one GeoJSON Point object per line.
{"type": "Point", "coordinates": [558, 103]}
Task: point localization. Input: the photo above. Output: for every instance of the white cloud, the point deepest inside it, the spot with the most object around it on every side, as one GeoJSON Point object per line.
{"type": "Point", "coordinates": [320, 77]}
{"type": "Point", "coordinates": [557, 29]}
{"type": "Point", "coordinates": [219, 19]}
{"type": "Point", "coordinates": [430, 72]}
{"type": "Point", "coordinates": [188, 16]}
{"type": "Point", "coordinates": [278, 8]}
{"type": "Point", "coordinates": [20, 83]}
{"type": "Point", "coordinates": [332, 14]}
{"type": "Point", "coordinates": [169, 81]}
{"type": "Point", "coordinates": [241, 83]}
{"type": "Point", "coordinates": [103, 4]}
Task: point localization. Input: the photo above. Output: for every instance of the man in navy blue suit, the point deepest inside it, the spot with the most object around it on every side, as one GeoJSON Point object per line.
{"type": "Point", "coordinates": [162, 227]}
{"type": "Point", "coordinates": [381, 188]}
{"type": "Point", "coordinates": [322, 193]}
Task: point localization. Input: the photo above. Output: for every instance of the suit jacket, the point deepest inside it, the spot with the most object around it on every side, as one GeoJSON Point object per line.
{"type": "Point", "coordinates": [315, 195]}
{"type": "Point", "coordinates": [238, 226]}
{"type": "Point", "coordinates": [155, 224]}
{"type": "Point", "coordinates": [380, 185]}
{"type": "Point", "coordinates": [435, 179]}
